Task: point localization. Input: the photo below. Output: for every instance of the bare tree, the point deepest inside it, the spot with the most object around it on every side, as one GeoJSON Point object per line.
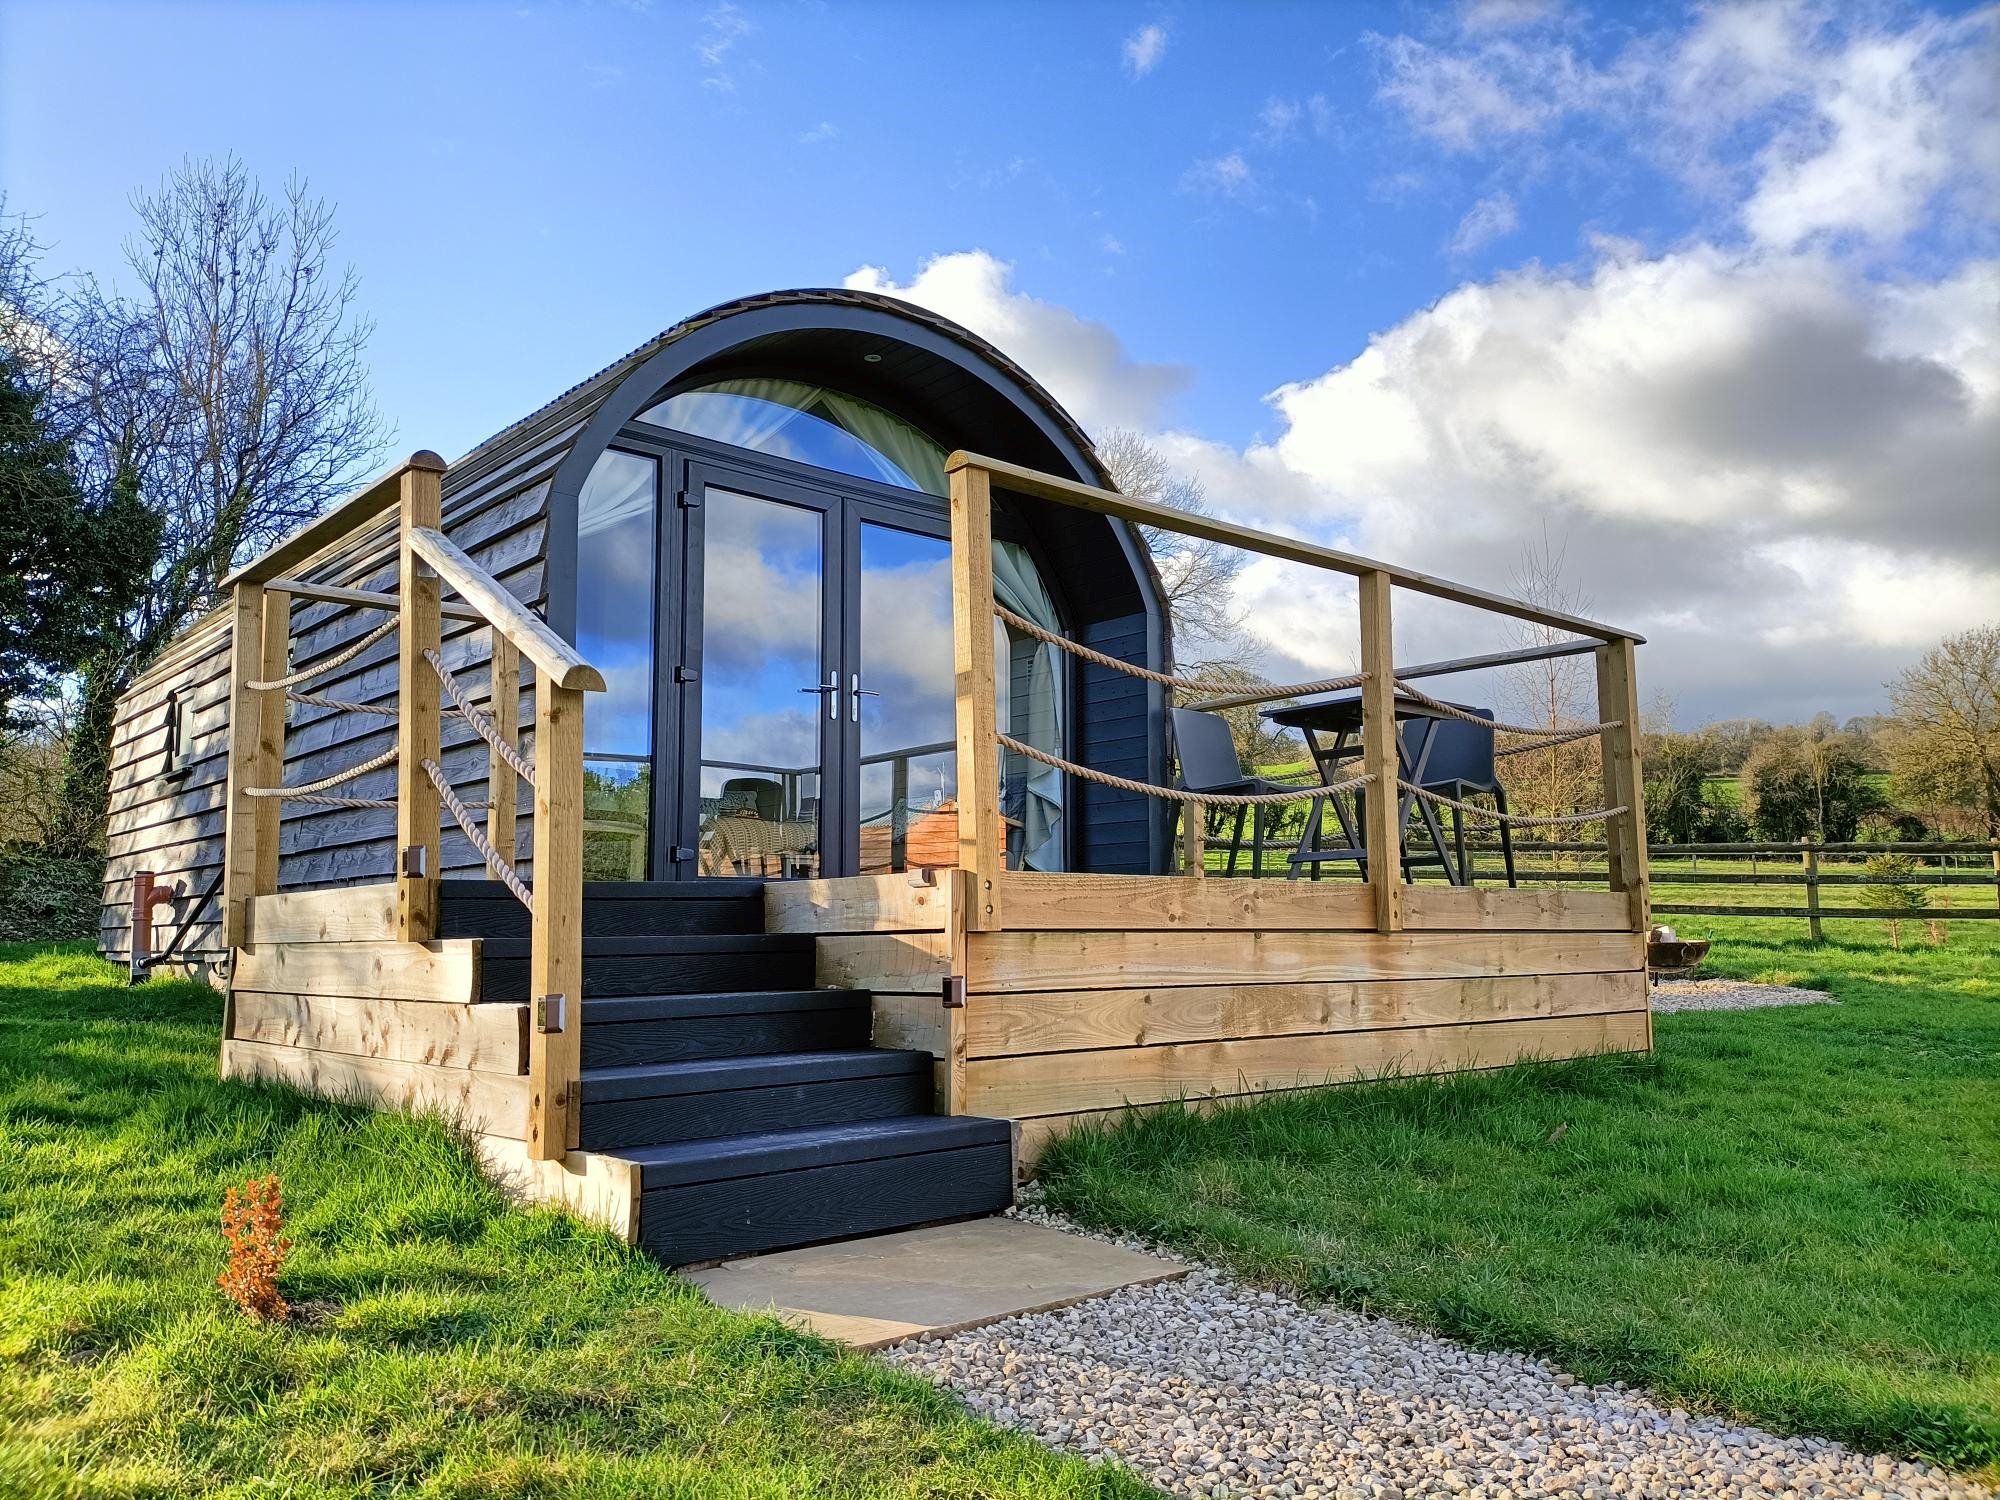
{"type": "Point", "coordinates": [224, 390]}
{"type": "Point", "coordinates": [1945, 740]}
{"type": "Point", "coordinates": [1551, 780]}
{"type": "Point", "coordinates": [1198, 577]}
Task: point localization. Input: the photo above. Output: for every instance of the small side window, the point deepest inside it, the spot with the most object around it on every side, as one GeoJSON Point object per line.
{"type": "Point", "coordinates": [179, 758]}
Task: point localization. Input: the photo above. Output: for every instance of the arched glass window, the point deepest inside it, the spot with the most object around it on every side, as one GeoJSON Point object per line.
{"type": "Point", "coordinates": [810, 425]}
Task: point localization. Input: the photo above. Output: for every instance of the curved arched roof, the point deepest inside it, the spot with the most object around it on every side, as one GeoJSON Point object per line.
{"type": "Point", "coordinates": [730, 327]}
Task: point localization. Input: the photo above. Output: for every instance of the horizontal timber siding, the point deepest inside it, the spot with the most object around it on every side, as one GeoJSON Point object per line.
{"type": "Point", "coordinates": [1105, 993]}
{"type": "Point", "coordinates": [498, 514]}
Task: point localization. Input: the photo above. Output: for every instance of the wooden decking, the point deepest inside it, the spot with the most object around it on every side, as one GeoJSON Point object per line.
{"type": "Point", "coordinates": [1105, 991]}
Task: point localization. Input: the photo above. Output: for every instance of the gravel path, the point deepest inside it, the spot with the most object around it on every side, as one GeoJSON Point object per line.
{"type": "Point", "coordinates": [1670, 995]}
{"type": "Point", "coordinates": [1208, 1387]}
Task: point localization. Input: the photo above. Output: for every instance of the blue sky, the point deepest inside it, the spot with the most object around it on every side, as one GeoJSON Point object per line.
{"type": "Point", "coordinates": [1516, 263]}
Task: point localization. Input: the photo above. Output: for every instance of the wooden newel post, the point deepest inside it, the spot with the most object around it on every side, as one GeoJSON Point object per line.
{"type": "Point", "coordinates": [418, 732]}
{"type": "Point", "coordinates": [1624, 779]}
{"type": "Point", "coordinates": [1809, 858]}
{"type": "Point", "coordinates": [981, 852]}
{"type": "Point", "coordinates": [555, 991]}
{"type": "Point", "coordinates": [1382, 800]}
{"type": "Point", "coordinates": [250, 825]}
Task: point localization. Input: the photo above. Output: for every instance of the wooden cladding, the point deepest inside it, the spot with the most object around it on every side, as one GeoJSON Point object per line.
{"type": "Point", "coordinates": [326, 998]}
{"type": "Point", "coordinates": [1107, 992]}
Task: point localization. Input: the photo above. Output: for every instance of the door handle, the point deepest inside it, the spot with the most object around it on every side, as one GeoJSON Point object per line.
{"type": "Point", "coordinates": [857, 693]}
{"type": "Point", "coordinates": [831, 692]}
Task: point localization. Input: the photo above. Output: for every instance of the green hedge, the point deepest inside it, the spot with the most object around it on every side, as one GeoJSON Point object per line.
{"type": "Point", "coordinates": [47, 899]}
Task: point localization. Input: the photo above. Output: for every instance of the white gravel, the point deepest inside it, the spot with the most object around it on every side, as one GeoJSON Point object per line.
{"type": "Point", "coordinates": [1208, 1387]}
{"type": "Point", "coordinates": [1670, 995]}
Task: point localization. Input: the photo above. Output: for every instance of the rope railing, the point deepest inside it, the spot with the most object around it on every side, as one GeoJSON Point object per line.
{"type": "Point", "coordinates": [1167, 679]}
{"type": "Point", "coordinates": [1519, 820]}
{"type": "Point", "coordinates": [317, 700]}
{"type": "Point", "coordinates": [320, 668]}
{"type": "Point", "coordinates": [1540, 731]}
{"type": "Point", "coordinates": [1180, 794]}
{"type": "Point", "coordinates": [462, 815]}
{"type": "Point", "coordinates": [311, 791]}
{"type": "Point", "coordinates": [481, 722]}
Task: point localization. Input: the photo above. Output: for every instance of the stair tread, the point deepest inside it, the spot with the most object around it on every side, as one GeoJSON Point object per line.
{"type": "Point", "coordinates": [621, 1009]}
{"type": "Point", "coordinates": [647, 945]}
{"type": "Point", "coordinates": [681, 1163]}
{"type": "Point", "coordinates": [708, 1075]}
{"type": "Point", "coordinates": [716, 888]}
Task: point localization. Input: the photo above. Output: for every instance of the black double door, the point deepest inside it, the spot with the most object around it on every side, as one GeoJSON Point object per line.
{"type": "Point", "coordinates": [806, 711]}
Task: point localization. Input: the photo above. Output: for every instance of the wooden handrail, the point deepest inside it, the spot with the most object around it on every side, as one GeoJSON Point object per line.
{"type": "Point", "coordinates": [378, 497]}
{"type": "Point", "coordinates": [553, 656]}
{"type": "Point", "coordinates": [1041, 486]}
{"type": "Point", "coordinates": [973, 479]}
{"type": "Point", "coordinates": [330, 593]}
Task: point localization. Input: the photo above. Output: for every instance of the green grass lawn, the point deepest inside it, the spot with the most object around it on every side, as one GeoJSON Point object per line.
{"type": "Point", "coordinates": [1792, 1215]}
{"type": "Point", "coordinates": [466, 1347]}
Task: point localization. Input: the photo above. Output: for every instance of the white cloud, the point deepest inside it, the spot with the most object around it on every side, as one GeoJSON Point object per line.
{"type": "Point", "coordinates": [1779, 470]}
{"type": "Point", "coordinates": [1228, 176]}
{"type": "Point", "coordinates": [1811, 124]}
{"type": "Point", "coordinates": [721, 29]}
{"type": "Point", "coordinates": [1491, 218]}
{"type": "Point", "coordinates": [1083, 363]}
{"type": "Point", "coordinates": [1144, 48]}
{"type": "Point", "coordinates": [826, 130]}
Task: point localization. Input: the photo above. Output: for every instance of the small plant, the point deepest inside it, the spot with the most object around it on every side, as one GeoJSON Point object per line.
{"type": "Point", "coordinates": [1896, 894]}
{"type": "Point", "coordinates": [1935, 932]}
{"type": "Point", "coordinates": [253, 1221]}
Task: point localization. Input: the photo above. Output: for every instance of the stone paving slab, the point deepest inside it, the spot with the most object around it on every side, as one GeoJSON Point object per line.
{"type": "Point", "coordinates": [940, 1279]}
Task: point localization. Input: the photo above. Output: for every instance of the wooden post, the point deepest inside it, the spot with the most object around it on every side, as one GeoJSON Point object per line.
{"type": "Point", "coordinates": [277, 632]}
{"type": "Point", "coordinates": [1624, 781]}
{"type": "Point", "coordinates": [417, 729]}
{"type": "Point", "coordinates": [956, 888]}
{"type": "Point", "coordinates": [1194, 839]}
{"type": "Point", "coordinates": [1996, 875]}
{"type": "Point", "coordinates": [249, 765]}
{"type": "Point", "coordinates": [980, 850]}
{"type": "Point", "coordinates": [1809, 857]}
{"type": "Point", "coordinates": [1382, 832]}
{"type": "Point", "coordinates": [504, 703]}
{"type": "Point", "coordinates": [555, 1057]}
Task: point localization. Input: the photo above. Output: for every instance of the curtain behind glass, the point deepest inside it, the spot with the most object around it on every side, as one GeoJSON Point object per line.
{"type": "Point", "coordinates": [897, 453]}
{"type": "Point", "coordinates": [1034, 715]}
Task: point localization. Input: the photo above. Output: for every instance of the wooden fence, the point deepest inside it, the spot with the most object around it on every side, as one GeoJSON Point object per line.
{"type": "Point", "coordinates": [1804, 866]}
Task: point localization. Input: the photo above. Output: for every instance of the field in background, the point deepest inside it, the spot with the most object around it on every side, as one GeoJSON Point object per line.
{"type": "Point", "coordinates": [1784, 1214]}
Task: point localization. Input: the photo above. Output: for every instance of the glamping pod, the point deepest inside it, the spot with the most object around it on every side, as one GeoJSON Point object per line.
{"type": "Point", "coordinates": [741, 793]}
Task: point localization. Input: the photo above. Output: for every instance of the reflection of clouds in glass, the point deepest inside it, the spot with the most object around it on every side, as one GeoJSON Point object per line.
{"type": "Point", "coordinates": [614, 599]}
{"type": "Point", "coordinates": [760, 585]}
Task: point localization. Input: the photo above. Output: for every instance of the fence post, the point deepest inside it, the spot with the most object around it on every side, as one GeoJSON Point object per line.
{"type": "Point", "coordinates": [555, 990]}
{"type": "Point", "coordinates": [251, 759]}
{"type": "Point", "coordinates": [1624, 781]}
{"type": "Point", "coordinates": [277, 633]}
{"type": "Point", "coordinates": [980, 850]}
{"type": "Point", "coordinates": [1809, 857]}
{"type": "Point", "coordinates": [1194, 839]}
{"type": "Point", "coordinates": [418, 732]}
{"type": "Point", "coordinates": [1996, 875]}
{"type": "Point", "coordinates": [1383, 799]}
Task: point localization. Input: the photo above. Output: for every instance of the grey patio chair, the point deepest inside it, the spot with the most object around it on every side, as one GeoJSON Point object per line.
{"type": "Point", "coordinates": [1209, 763]}
{"type": "Point", "coordinates": [1461, 766]}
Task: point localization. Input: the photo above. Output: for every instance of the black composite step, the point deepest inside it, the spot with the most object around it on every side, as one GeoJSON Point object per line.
{"type": "Point", "coordinates": [623, 1031]}
{"type": "Point", "coordinates": [661, 965]}
{"type": "Point", "coordinates": [657, 1103]}
{"type": "Point", "coordinates": [716, 1219]}
{"type": "Point", "coordinates": [486, 909]}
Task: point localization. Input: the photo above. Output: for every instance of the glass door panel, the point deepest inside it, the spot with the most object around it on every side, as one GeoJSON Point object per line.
{"type": "Point", "coordinates": [770, 699]}
{"type": "Point", "coordinates": [617, 517]}
{"type": "Point", "coordinates": [901, 700]}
